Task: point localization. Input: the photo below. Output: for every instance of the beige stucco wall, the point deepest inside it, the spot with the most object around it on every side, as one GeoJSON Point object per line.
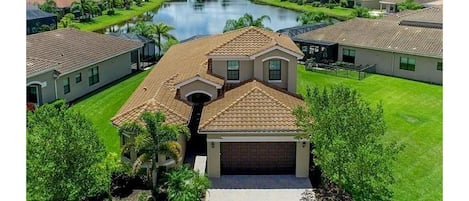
{"type": "Point", "coordinates": [388, 63]}
{"type": "Point", "coordinates": [213, 155]}
{"type": "Point", "coordinates": [283, 73]}
{"type": "Point", "coordinates": [289, 77]}
{"type": "Point", "coordinates": [371, 4]}
{"type": "Point", "coordinates": [109, 71]}
{"type": "Point", "coordinates": [198, 86]}
{"type": "Point", "coordinates": [220, 67]}
{"type": "Point", "coordinates": [47, 90]}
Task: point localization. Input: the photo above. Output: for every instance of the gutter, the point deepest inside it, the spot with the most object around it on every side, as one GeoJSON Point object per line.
{"type": "Point", "coordinates": [237, 132]}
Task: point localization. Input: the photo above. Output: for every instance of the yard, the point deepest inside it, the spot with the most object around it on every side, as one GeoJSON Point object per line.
{"type": "Point", "coordinates": [103, 105]}
{"type": "Point", "coordinates": [414, 115]}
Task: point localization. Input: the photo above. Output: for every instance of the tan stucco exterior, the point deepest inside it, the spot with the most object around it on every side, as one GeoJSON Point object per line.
{"type": "Point", "coordinates": [109, 71]}
{"type": "Point", "coordinates": [213, 152]}
{"type": "Point", "coordinates": [388, 63]}
{"type": "Point", "coordinates": [246, 68]}
{"type": "Point", "coordinates": [198, 86]}
{"type": "Point", "coordinates": [45, 81]}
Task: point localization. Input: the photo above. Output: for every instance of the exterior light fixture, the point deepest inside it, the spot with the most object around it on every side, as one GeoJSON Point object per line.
{"type": "Point", "coordinates": [304, 144]}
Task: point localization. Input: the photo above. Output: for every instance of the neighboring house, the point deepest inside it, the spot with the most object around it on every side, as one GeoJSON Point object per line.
{"type": "Point", "coordinates": [147, 52]}
{"type": "Point", "coordinates": [39, 21]}
{"type": "Point", "coordinates": [391, 5]}
{"type": "Point", "coordinates": [408, 44]}
{"type": "Point", "coordinates": [236, 89]}
{"type": "Point", "coordinates": [68, 63]}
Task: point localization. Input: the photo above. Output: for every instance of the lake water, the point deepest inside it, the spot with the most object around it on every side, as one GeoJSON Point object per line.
{"type": "Point", "coordinates": [191, 18]}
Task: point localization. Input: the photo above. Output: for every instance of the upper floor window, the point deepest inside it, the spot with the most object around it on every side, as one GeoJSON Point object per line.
{"type": "Point", "coordinates": [275, 70]}
{"type": "Point", "coordinates": [66, 85]}
{"type": "Point", "coordinates": [348, 55]}
{"type": "Point", "coordinates": [407, 64]}
{"type": "Point", "coordinates": [439, 66]}
{"type": "Point", "coordinates": [78, 78]}
{"type": "Point", "coordinates": [93, 75]}
{"type": "Point", "coordinates": [233, 70]}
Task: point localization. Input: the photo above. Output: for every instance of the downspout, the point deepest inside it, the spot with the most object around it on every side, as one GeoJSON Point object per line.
{"type": "Point", "coordinates": [393, 61]}
{"type": "Point", "coordinates": [55, 87]}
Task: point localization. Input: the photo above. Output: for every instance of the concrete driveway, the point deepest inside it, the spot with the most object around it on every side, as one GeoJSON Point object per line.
{"type": "Point", "coordinates": [257, 188]}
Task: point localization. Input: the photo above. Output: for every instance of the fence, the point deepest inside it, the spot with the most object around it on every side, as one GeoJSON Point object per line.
{"type": "Point", "coordinates": [342, 69]}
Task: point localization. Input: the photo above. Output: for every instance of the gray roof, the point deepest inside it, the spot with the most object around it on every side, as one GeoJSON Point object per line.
{"type": "Point", "coordinates": [384, 34]}
{"type": "Point", "coordinates": [431, 14]}
{"type": "Point", "coordinates": [294, 31]}
{"type": "Point", "coordinates": [37, 65]}
{"type": "Point", "coordinates": [131, 36]}
{"type": "Point", "coordinates": [75, 49]}
{"type": "Point", "coordinates": [34, 13]}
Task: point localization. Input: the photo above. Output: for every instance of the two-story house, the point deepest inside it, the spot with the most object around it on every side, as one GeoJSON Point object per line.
{"type": "Point", "coordinates": [238, 90]}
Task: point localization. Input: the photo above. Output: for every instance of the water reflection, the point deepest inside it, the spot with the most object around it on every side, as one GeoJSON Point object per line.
{"type": "Point", "coordinates": [196, 17]}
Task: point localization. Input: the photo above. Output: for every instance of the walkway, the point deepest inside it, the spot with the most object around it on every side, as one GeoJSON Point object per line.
{"type": "Point", "coordinates": [257, 188]}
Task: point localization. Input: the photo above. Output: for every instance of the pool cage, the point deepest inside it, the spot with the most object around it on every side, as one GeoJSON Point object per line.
{"type": "Point", "coordinates": [341, 69]}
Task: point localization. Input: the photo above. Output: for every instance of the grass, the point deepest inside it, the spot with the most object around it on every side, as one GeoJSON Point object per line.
{"type": "Point", "coordinates": [120, 15]}
{"type": "Point", "coordinates": [338, 12]}
{"type": "Point", "coordinates": [413, 113]}
{"type": "Point", "coordinates": [101, 106]}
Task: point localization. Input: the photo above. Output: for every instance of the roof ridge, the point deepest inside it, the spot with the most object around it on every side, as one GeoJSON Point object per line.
{"type": "Point", "coordinates": [226, 42]}
{"type": "Point", "coordinates": [272, 97]}
{"type": "Point", "coordinates": [226, 108]}
{"type": "Point", "coordinates": [169, 109]}
{"type": "Point", "coordinates": [130, 110]}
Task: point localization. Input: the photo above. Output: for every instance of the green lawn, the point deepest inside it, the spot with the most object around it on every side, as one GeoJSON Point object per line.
{"type": "Point", "coordinates": [103, 105]}
{"type": "Point", "coordinates": [414, 115]}
{"type": "Point", "coordinates": [121, 15]}
{"type": "Point", "coordinates": [338, 12]}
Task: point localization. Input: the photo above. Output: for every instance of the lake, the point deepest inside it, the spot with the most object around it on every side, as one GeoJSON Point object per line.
{"type": "Point", "coordinates": [191, 18]}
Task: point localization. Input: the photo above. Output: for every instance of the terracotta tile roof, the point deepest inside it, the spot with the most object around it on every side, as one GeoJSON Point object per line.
{"type": "Point", "coordinates": [36, 65]}
{"type": "Point", "coordinates": [75, 49]}
{"type": "Point", "coordinates": [183, 62]}
{"type": "Point", "coordinates": [253, 106]}
{"type": "Point", "coordinates": [252, 40]}
{"type": "Point", "coordinates": [60, 3]}
{"type": "Point", "coordinates": [386, 35]}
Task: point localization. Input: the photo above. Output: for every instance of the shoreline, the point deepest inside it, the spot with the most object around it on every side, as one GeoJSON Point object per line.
{"type": "Point", "coordinates": [121, 15]}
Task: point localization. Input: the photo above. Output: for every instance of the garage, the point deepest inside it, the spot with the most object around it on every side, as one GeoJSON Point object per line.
{"type": "Point", "coordinates": [258, 157]}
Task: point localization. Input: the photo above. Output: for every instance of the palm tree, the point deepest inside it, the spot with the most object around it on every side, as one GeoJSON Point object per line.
{"type": "Point", "coordinates": [48, 6]}
{"type": "Point", "coordinates": [84, 6]}
{"type": "Point", "coordinates": [245, 21]}
{"type": "Point", "coordinates": [161, 31]}
{"type": "Point", "coordinates": [313, 17]}
{"type": "Point", "coordinates": [143, 29]}
{"type": "Point", "coordinates": [155, 138]}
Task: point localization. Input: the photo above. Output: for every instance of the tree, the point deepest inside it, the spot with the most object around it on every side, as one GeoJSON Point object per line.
{"type": "Point", "coordinates": [161, 31]}
{"type": "Point", "coordinates": [245, 21]}
{"type": "Point", "coordinates": [313, 17]}
{"type": "Point", "coordinates": [347, 137]}
{"type": "Point", "coordinates": [143, 29]}
{"type": "Point", "coordinates": [86, 7]}
{"type": "Point", "coordinates": [110, 4]}
{"type": "Point", "coordinates": [408, 5]}
{"type": "Point", "coordinates": [65, 158]}
{"type": "Point", "coordinates": [185, 184]}
{"type": "Point", "coordinates": [155, 138]}
{"type": "Point", "coordinates": [67, 21]}
{"type": "Point", "coordinates": [48, 6]}
{"type": "Point", "coordinates": [359, 11]}
{"type": "Point", "coordinates": [168, 44]}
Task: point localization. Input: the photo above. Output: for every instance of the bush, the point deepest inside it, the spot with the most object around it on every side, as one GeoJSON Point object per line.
{"type": "Point", "coordinates": [343, 3]}
{"type": "Point", "coordinates": [184, 183]}
{"type": "Point", "coordinates": [331, 5]}
{"type": "Point", "coordinates": [316, 4]}
{"type": "Point", "coordinates": [110, 12]}
{"type": "Point", "coordinates": [300, 2]}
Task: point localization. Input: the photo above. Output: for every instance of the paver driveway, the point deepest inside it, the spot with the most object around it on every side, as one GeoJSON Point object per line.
{"type": "Point", "coordinates": [257, 188]}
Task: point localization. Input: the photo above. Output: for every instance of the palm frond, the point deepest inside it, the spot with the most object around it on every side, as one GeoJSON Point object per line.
{"type": "Point", "coordinates": [172, 149]}
{"type": "Point", "coordinates": [139, 162]}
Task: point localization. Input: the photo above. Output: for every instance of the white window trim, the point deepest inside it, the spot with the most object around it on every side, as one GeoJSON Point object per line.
{"type": "Point", "coordinates": [43, 84]}
{"type": "Point", "coordinates": [274, 81]}
{"type": "Point", "coordinates": [199, 91]}
{"type": "Point", "coordinates": [233, 81]}
{"type": "Point", "coordinates": [277, 47]}
{"type": "Point", "coordinates": [276, 57]}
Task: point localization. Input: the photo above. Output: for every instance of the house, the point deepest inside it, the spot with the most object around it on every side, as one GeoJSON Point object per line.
{"type": "Point", "coordinates": [407, 44]}
{"type": "Point", "coordinates": [68, 63]}
{"type": "Point", "coordinates": [391, 5]}
{"type": "Point", "coordinates": [147, 52]}
{"type": "Point", "coordinates": [38, 20]}
{"type": "Point", "coordinates": [238, 91]}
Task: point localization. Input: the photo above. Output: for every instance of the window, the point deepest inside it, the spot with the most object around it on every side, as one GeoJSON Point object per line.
{"type": "Point", "coordinates": [233, 70]}
{"type": "Point", "coordinates": [274, 70]}
{"type": "Point", "coordinates": [78, 78]}
{"type": "Point", "coordinates": [304, 48]}
{"type": "Point", "coordinates": [439, 66]}
{"type": "Point", "coordinates": [93, 75]}
{"type": "Point", "coordinates": [348, 55]}
{"type": "Point", "coordinates": [66, 85]}
{"type": "Point", "coordinates": [407, 64]}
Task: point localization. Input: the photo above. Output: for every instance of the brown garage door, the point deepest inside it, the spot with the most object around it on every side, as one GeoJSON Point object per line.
{"type": "Point", "coordinates": [258, 157]}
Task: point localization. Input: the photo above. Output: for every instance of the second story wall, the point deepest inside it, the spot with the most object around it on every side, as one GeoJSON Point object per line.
{"type": "Point", "coordinates": [220, 67]}
{"type": "Point", "coordinates": [287, 69]}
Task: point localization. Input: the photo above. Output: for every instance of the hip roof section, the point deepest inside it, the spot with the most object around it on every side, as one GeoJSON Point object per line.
{"type": "Point", "coordinates": [253, 106]}
{"type": "Point", "coordinates": [75, 49]}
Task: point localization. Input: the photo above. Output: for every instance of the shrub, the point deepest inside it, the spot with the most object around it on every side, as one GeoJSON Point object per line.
{"type": "Point", "coordinates": [110, 12]}
{"type": "Point", "coordinates": [331, 5]}
{"type": "Point", "coordinates": [185, 184]}
{"type": "Point", "coordinates": [316, 4]}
